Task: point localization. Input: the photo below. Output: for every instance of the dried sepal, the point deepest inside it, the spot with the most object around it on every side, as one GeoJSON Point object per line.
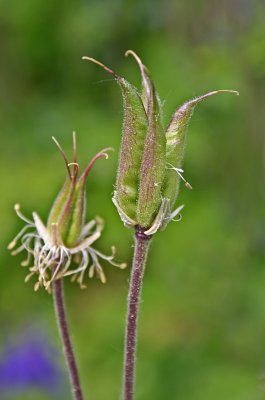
{"type": "Point", "coordinates": [160, 218]}
{"type": "Point", "coordinates": [128, 222]}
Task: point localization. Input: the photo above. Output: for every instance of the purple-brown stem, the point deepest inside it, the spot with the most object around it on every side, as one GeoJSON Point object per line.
{"type": "Point", "coordinates": [61, 317]}
{"type": "Point", "coordinates": [141, 248]}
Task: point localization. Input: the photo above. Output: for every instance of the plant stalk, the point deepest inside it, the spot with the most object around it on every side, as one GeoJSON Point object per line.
{"type": "Point", "coordinates": [142, 243]}
{"type": "Point", "coordinates": [61, 317]}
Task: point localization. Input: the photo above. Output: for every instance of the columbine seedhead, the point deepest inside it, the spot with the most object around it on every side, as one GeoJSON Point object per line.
{"type": "Point", "coordinates": [66, 237]}
{"type": "Point", "coordinates": [151, 156]}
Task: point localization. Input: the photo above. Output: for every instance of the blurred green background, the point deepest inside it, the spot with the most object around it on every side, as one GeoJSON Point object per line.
{"type": "Point", "coordinates": [202, 323]}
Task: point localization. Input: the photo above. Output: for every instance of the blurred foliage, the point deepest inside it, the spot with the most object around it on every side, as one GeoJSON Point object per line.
{"type": "Point", "coordinates": [202, 321]}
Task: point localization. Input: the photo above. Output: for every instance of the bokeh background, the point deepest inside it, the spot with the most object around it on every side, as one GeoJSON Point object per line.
{"type": "Point", "coordinates": [202, 323]}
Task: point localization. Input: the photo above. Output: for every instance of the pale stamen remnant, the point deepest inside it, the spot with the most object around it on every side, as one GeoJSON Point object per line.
{"type": "Point", "coordinates": [52, 261]}
{"type": "Point", "coordinates": [180, 171]}
{"type": "Point", "coordinates": [66, 239]}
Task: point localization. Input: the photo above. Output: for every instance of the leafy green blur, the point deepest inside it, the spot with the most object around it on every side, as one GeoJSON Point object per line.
{"type": "Point", "coordinates": [202, 324]}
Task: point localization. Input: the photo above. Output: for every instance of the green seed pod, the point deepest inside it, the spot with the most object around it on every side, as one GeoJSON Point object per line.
{"type": "Point", "coordinates": [152, 169]}
{"type": "Point", "coordinates": [134, 132]}
{"type": "Point", "coordinates": [175, 145]}
{"type": "Point", "coordinates": [69, 209]}
{"type": "Point", "coordinates": [151, 157]}
{"type": "Point", "coordinates": [59, 204]}
{"type": "Point", "coordinates": [66, 240]}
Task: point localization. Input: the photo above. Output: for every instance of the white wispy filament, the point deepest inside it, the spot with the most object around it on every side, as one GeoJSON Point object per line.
{"type": "Point", "coordinates": [50, 259]}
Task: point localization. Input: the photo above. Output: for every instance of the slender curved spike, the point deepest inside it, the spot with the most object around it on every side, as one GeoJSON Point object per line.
{"type": "Point", "coordinates": [102, 153]}
{"type": "Point", "coordinates": [102, 66]}
{"type": "Point", "coordinates": [74, 163]}
{"type": "Point", "coordinates": [63, 155]}
{"type": "Point", "coordinates": [147, 84]}
{"type": "Point", "coordinates": [74, 147]}
{"type": "Point", "coordinates": [204, 96]}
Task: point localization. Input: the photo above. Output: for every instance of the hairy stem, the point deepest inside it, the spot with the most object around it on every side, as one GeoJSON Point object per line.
{"type": "Point", "coordinates": [141, 248]}
{"type": "Point", "coordinates": [61, 317]}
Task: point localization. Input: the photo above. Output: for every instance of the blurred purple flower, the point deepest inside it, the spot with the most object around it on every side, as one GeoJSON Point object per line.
{"type": "Point", "coordinates": [30, 364]}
